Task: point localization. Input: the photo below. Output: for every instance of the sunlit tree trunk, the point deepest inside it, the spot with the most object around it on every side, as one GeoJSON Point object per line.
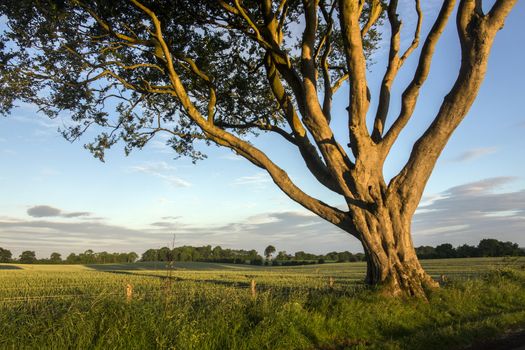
{"type": "Point", "coordinates": [391, 259]}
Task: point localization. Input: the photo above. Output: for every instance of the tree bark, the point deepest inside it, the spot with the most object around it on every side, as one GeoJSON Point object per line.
{"type": "Point", "coordinates": [392, 264]}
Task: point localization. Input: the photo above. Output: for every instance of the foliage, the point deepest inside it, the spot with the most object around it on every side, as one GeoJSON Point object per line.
{"type": "Point", "coordinates": [55, 258]}
{"type": "Point", "coordinates": [486, 247]}
{"type": "Point", "coordinates": [204, 253]}
{"type": "Point", "coordinates": [27, 257]}
{"type": "Point", "coordinates": [64, 60]}
{"type": "Point", "coordinates": [5, 255]}
{"type": "Point", "coordinates": [268, 251]}
{"type": "Point", "coordinates": [90, 257]}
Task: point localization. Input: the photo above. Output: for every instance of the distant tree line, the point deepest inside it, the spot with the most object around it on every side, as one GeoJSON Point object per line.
{"type": "Point", "coordinates": [88, 257]}
{"type": "Point", "coordinates": [303, 258]}
{"type": "Point", "coordinates": [205, 254]}
{"type": "Point", "coordinates": [241, 256]}
{"type": "Point", "coordinates": [485, 248]}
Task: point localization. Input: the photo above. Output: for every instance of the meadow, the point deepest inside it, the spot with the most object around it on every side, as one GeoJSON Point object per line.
{"type": "Point", "coordinates": [211, 306]}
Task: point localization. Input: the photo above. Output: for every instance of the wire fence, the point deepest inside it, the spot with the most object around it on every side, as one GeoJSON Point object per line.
{"type": "Point", "coordinates": [129, 292]}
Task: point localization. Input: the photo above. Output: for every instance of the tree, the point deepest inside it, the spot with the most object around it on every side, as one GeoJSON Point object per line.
{"type": "Point", "coordinates": [150, 255]}
{"type": "Point", "coordinates": [73, 259]}
{"type": "Point", "coordinates": [268, 252]}
{"type": "Point", "coordinates": [489, 247]}
{"type": "Point", "coordinates": [426, 252]}
{"type": "Point", "coordinates": [27, 257]}
{"type": "Point", "coordinates": [217, 252]}
{"type": "Point", "coordinates": [467, 251]}
{"type": "Point", "coordinates": [55, 258]}
{"type": "Point", "coordinates": [494, 247]}
{"type": "Point", "coordinates": [445, 250]}
{"type": "Point", "coordinates": [282, 256]}
{"type": "Point", "coordinates": [221, 70]}
{"type": "Point", "coordinates": [164, 254]}
{"type": "Point", "coordinates": [5, 255]}
{"type": "Point", "coordinates": [131, 257]}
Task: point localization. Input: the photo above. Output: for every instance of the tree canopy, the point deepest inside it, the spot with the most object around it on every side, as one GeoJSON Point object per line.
{"type": "Point", "coordinates": [5, 255]}
{"type": "Point", "coordinates": [268, 251]}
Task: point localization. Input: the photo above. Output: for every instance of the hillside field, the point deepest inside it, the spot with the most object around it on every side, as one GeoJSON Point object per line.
{"type": "Point", "coordinates": [211, 306]}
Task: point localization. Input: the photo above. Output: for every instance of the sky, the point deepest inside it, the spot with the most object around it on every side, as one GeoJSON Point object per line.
{"type": "Point", "coordinates": [54, 196]}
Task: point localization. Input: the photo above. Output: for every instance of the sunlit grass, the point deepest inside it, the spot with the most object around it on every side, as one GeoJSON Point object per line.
{"type": "Point", "coordinates": [205, 306]}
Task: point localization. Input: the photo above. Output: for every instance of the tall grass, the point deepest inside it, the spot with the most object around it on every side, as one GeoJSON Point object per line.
{"type": "Point", "coordinates": [293, 309]}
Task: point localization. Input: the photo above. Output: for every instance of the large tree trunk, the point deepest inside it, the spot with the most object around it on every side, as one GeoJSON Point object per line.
{"type": "Point", "coordinates": [392, 264]}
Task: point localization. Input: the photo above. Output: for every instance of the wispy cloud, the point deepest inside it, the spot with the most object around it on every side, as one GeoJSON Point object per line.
{"type": "Point", "coordinates": [161, 147]}
{"type": "Point", "coordinates": [474, 153]}
{"type": "Point", "coordinates": [461, 214]}
{"type": "Point", "coordinates": [46, 235]}
{"type": "Point", "coordinates": [231, 156]}
{"type": "Point", "coordinates": [472, 211]}
{"type": "Point", "coordinates": [258, 179]}
{"type": "Point", "coordinates": [163, 171]}
{"type": "Point", "coordinates": [289, 230]}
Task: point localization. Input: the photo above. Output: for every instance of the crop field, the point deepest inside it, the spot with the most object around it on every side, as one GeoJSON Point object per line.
{"type": "Point", "coordinates": [213, 306]}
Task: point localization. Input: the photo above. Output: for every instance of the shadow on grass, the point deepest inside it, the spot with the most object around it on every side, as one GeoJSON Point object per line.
{"type": "Point", "coordinates": [10, 267]}
{"type": "Point", "coordinates": [474, 335]}
{"type": "Point", "coordinates": [161, 266]}
{"type": "Point", "coordinates": [282, 291]}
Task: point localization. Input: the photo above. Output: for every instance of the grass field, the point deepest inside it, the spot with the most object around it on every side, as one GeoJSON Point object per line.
{"type": "Point", "coordinates": [210, 306]}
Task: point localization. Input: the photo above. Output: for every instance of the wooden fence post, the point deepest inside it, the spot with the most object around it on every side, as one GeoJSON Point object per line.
{"type": "Point", "coordinates": [253, 288]}
{"type": "Point", "coordinates": [129, 292]}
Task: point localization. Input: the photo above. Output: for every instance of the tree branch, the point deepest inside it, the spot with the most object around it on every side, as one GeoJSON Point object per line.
{"type": "Point", "coordinates": [279, 176]}
{"type": "Point", "coordinates": [476, 34]}
{"type": "Point", "coordinates": [349, 13]}
{"type": "Point", "coordinates": [375, 12]}
{"type": "Point", "coordinates": [307, 150]}
{"type": "Point", "coordinates": [394, 64]}
{"type": "Point", "coordinates": [411, 93]}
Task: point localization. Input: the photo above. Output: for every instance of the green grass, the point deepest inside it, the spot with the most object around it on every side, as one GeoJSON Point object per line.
{"type": "Point", "coordinates": [209, 306]}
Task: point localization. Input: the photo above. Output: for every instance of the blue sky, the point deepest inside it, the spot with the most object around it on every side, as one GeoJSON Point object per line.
{"type": "Point", "coordinates": [54, 196]}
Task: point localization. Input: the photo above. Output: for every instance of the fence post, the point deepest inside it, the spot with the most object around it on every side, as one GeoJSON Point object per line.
{"type": "Point", "coordinates": [331, 282]}
{"type": "Point", "coordinates": [253, 288]}
{"type": "Point", "coordinates": [129, 292]}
